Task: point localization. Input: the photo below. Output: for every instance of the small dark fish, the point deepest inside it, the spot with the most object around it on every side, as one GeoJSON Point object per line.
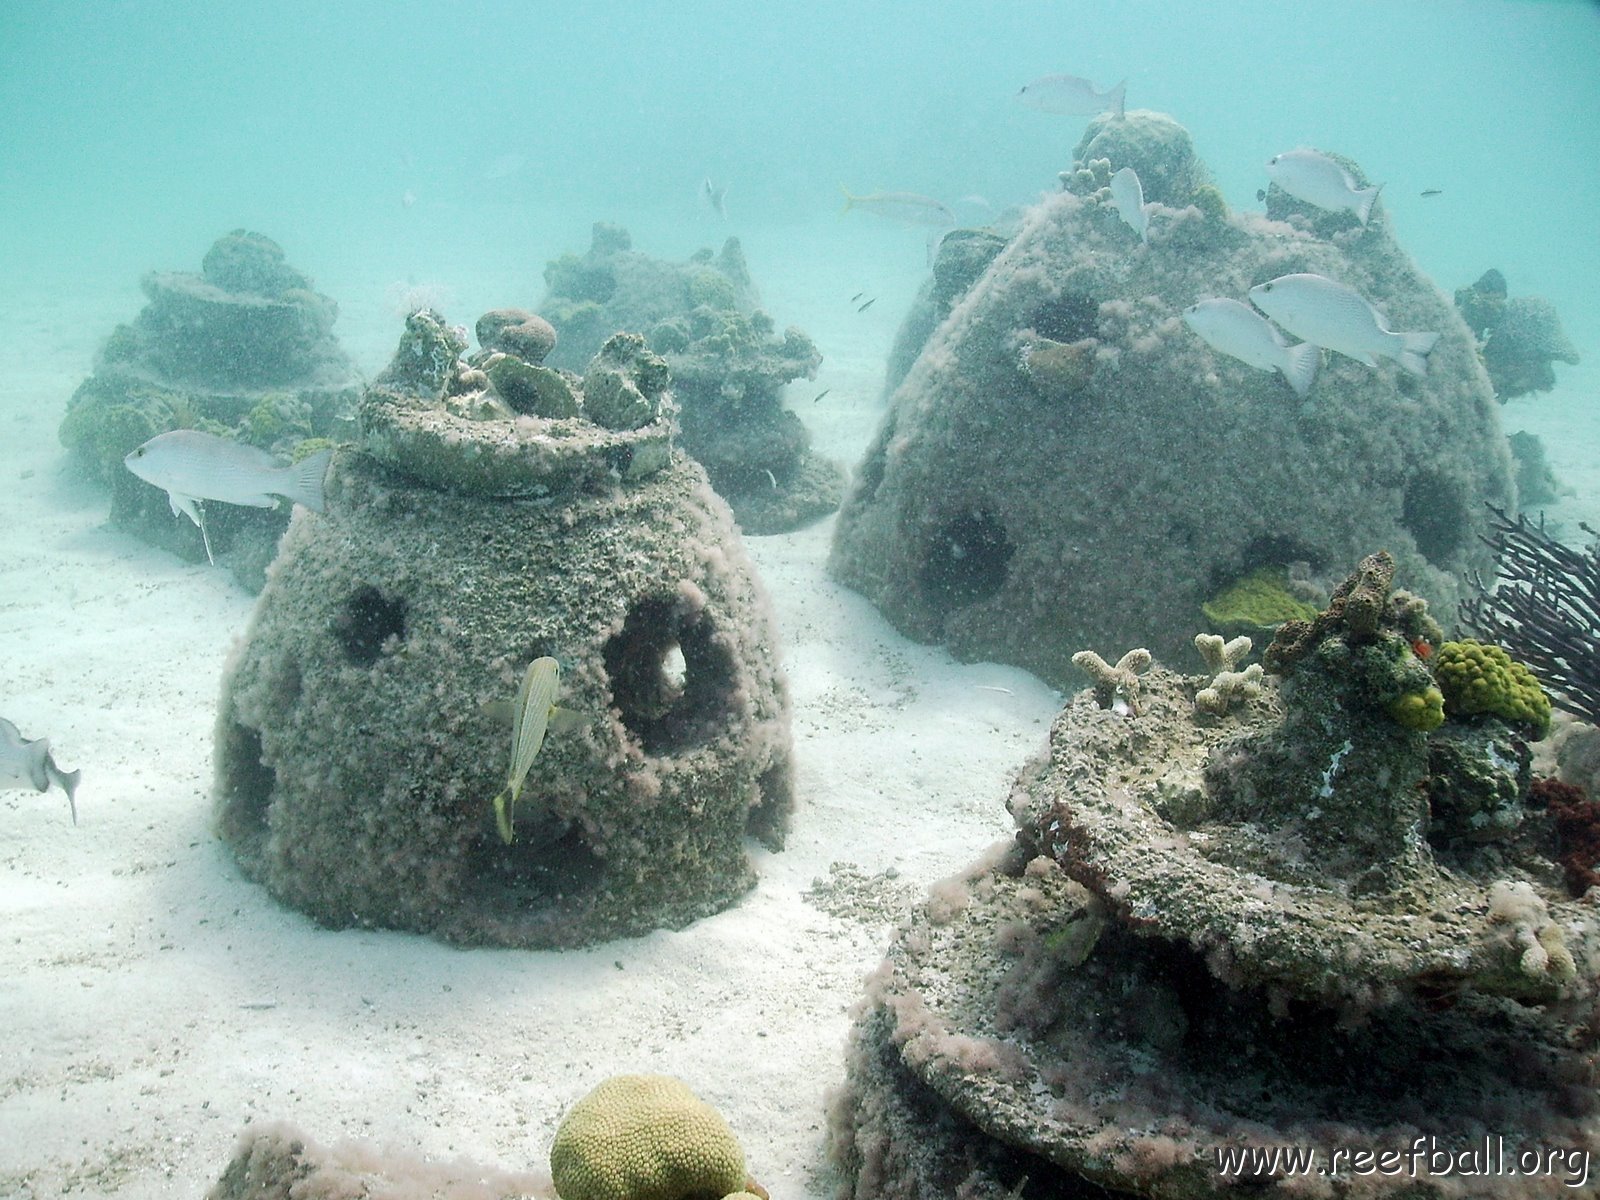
{"type": "Point", "coordinates": [1261, 193]}
{"type": "Point", "coordinates": [820, 395]}
{"type": "Point", "coordinates": [1433, 192]}
{"type": "Point", "coordinates": [856, 297]}
{"type": "Point", "coordinates": [868, 304]}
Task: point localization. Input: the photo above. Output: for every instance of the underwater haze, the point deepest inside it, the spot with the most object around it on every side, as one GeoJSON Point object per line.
{"type": "Point", "coordinates": [139, 131]}
{"type": "Point", "coordinates": [432, 155]}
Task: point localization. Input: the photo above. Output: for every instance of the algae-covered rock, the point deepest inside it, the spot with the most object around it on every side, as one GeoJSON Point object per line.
{"type": "Point", "coordinates": [244, 349]}
{"type": "Point", "coordinates": [516, 331]}
{"type": "Point", "coordinates": [1067, 464]}
{"type": "Point", "coordinates": [361, 738]}
{"type": "Point", "coordinates": [1521, 336]}
{"type": "Point", "coordinates": [614, 287]}
{"type": "Point", "coordinates": [728, 367]}
{"type": "Point", "coordinates": [624, 384]}
{"type": "Point", "coordinates": [274, 1160]}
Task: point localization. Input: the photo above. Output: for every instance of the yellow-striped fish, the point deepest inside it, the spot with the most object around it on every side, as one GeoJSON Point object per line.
{"type": "Point", "coordinates": [536, 704]}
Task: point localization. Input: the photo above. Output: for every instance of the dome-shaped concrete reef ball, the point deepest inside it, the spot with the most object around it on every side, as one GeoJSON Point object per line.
{"type": "Point", "coordinates": [1068, 464]}
{"type": "Point", "coordinates": [495, 512]}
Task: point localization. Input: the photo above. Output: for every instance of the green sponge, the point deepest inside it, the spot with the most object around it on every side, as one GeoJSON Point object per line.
{"type": "Point", "coordinates": [1478, 678]}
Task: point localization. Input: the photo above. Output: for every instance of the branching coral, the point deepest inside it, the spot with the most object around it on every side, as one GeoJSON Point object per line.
{"type": "Point", "coordinates": [1545, 609]}
{"type": "Point", "coordinates": [1115, 687]}
{"type": "Point", "coordinates": [1227, 685]}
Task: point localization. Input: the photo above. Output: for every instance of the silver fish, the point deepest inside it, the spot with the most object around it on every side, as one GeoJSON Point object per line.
{"type": "Point", "coordinates": [1317, 309]}
{"type": "Point", "coordinates": [1312, 176]}
{"type": "Point", "coordinates": [1238, 331]}
{"type": "Point", "coordinates": [716, 196]}
{"type": "Point", "coordinates": [1072, 96]}
{"type": "Point", "coordinates": [531, 717]}
{"type": "Point", "coordinates": [27, 762]}
{"type": "Point", "coordinates": [191, 466]}
{"type": "Point", "coordinates": [1127, 193]}
{"type": "Point", "coordinates": [906, 207]}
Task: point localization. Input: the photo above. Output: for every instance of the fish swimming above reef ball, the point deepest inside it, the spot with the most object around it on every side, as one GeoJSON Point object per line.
{"type": "Point", "coordinates": [191, 466]}
{"type": "Point", "coordinates": [1317, 309]}
{"type": "Point", "coordinates": [1238, 331]}
{"type": "Point", "coordinates": [27, 763]}
{"type": "Point", "coordinates": [1071, 96]}
{"type": "Point", "coordinates": [1127, 193]}
{"type": "Point", "coordinates": [533, 714]}
{"type": "Point", "coordinates": [716, 197]}
{"type": "Point", "coordinates": [908, 208]}
{"type": "Point", "coordinates": [1312, 176]}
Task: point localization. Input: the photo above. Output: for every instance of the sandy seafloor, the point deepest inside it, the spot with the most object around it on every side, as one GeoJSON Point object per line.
{"type": "Point", "coordinates": [153, 1003]}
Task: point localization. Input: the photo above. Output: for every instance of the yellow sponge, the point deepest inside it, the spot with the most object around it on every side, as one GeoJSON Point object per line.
{"type": "Point", "coordinates": [645, 1137]}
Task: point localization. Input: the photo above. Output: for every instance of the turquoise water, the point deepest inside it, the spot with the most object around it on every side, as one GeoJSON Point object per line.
{"type": "Point", "coordinates": [137, 132]}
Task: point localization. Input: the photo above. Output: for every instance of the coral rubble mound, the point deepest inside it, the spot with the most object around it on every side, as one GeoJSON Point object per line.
{"type": "Point", "coordinates": [1324, 918]}
{"type": "Point", "coordinates": [729, 368]}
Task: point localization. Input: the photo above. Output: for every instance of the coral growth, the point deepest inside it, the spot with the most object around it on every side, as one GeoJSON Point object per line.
{"type": "Point", "coordinates": [1545, 609]}
{"type": "Point", "coordinates": [1257, 602]}
{"type": "Point", "coordinates": [728, 367]}
{"type": "Point", "coordinates": [1483, 679]}
{"type": "Point", "coordinates": [646, 1137]}
{"type": "Point", "coordinates": [1246, 930]}
{"type": "Point", "coordinates": [1226, 686]}
{"type": "Point", "coordinates": [1577, 822]}
{"type": "Point", "coordinates": [1521, 336]}
{"type": "Point", "coordinates": [1116, 687]}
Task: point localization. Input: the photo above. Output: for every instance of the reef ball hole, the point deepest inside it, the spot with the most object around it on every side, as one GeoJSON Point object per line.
{"type": "Point", "coordinates": [546, 865]}
{"type": "Point", "coordinates": [1434, 513]}
{"type": "Point", "coordinates": [671, 679]}
{"type": "Point", "coordinates": [369, 619]}
{"type": "Point", "coordinates": [967, 561]}
{"type": "Point", "coordinates": [246, 783]}
{"type": "Point", "coordinates": [1067, 318]}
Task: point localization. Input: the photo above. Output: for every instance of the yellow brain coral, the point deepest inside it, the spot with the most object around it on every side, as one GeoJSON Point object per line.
{"type": "Point", "coordinates": [1476, 677]}
{"type": "Point", "coordinates": [645, 1137]}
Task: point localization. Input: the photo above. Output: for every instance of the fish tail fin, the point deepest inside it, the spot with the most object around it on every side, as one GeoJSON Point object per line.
{"type": "Point", "coordinates": [1117, 97]}
{"type": "Point", "coordinates": [1369, 197]}
{"type": "Point", "coordinates": [205, 534]}
{"type": "Point", "coordinates": [849, 200]}
{"type": "Point", "coordinates": [1300, 367]}
{"type": "Point", "coordinates": [305, 479]}
{"type": "Point", "coordinates": [69, 784]}
{"type": "Point", "coordinates": [1414, 352]}
{"type": "Point", "coordinates": [502, 815]}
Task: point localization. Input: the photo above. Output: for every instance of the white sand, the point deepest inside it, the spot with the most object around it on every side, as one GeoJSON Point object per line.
{"type": "Point", "coordinates": [154, 1003]}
